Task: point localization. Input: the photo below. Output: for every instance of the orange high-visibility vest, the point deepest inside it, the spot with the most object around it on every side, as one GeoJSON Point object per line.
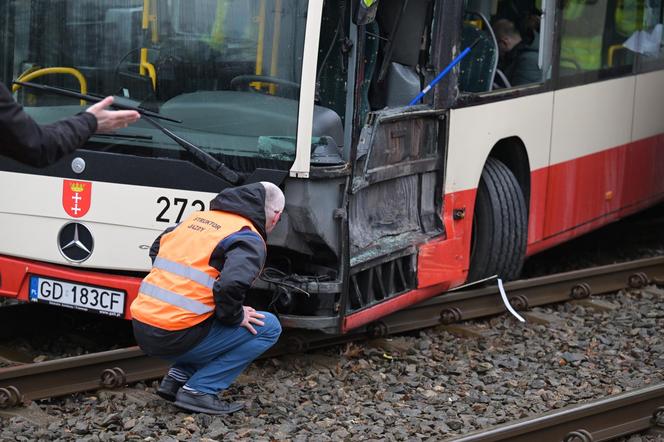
{"type": "Point", "coordinates": [177, 293]}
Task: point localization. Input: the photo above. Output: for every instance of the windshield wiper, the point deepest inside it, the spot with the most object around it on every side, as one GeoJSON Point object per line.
{"type": "Point", "coordinates": [205, 160]}
{"type": "Point", "coordinates": [208, 162]}
{"type": "Point", "coordinates": [92, 98]}
{"type": "Point", "coordinates": [129, 137]}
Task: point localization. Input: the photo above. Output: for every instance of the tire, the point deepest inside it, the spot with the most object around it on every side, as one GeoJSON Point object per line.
{"type": "Point", "coordinates": [500, 225]}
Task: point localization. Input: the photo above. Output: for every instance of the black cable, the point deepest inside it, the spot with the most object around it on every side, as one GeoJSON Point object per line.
{"type": "Point", "coordinates": [282, 280]}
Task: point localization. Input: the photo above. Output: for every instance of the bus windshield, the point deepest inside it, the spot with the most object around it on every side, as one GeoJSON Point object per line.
{"type": "Point", "coordinates": [230, 70]}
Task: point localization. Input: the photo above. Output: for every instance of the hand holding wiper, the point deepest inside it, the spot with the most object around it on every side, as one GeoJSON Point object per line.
{"type": "Point", "coordinates": [205, 160]}
{"type": "Point", "coordinates": [93, 99]}
{"type": "Point", "coordinates": [108, 121]}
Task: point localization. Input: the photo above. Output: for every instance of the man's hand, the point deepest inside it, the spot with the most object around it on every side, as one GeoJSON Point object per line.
{"type": "Point", "coordinates": [251, 316]}
{"type": "Point", "coordinates": [108, 120]}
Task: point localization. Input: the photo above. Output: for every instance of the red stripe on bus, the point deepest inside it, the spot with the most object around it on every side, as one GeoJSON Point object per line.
{"type": "Point", "coordinates": [397, 303]}
{"type": "Point", "coordinates": [591, 191]}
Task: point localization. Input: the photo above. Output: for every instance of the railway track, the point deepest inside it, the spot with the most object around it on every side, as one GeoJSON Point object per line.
{"type": "Point", "coordinates": [601, 420]}
{"type": "Point", "coordinates": [115, 368]}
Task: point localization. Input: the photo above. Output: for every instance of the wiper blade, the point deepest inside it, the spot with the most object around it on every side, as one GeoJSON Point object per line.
{"type": "Point", "coordinates": [205, 160]}
{"type": "Point", "coordinates": [94, 99]}
{"type": "Point", "coordinates": [129, 137]}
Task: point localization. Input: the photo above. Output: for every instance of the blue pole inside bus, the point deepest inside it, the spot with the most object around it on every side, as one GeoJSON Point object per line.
{"type": "Point", "coordinates": [442, 74]}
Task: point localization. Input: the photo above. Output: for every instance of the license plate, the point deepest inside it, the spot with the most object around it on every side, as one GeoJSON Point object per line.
{"type": "Point", "coordinates": [77, 296]}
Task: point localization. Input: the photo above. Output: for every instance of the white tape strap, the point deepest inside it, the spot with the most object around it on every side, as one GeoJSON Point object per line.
{"type": "Point", "coordinates": [507, 302]}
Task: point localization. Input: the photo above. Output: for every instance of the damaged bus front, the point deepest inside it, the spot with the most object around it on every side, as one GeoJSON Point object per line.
{"type": "Point", "coordinates": [311, 95]}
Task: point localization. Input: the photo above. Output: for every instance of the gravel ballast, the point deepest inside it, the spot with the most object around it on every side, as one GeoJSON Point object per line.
{"type": "Point", "coordinates": [429, 385]}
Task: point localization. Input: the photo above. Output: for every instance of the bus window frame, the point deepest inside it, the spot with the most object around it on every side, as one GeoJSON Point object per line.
{"type": "Point", "coordinates": [465, 99]}
{"type": "Point", "coordinates": [473, 99]}
{"type": "Point", "coordinates": [448, 18]}
{"type": "Point", "coordinates": [302, 164]}
{"type": "Point", "coordinates": [582, 78]}
{"type": "Point", "coordinates": [643, 64]}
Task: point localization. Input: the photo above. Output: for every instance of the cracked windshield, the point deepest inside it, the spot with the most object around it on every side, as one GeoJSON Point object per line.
{"type": "Point", "coordinates": [229, 70]}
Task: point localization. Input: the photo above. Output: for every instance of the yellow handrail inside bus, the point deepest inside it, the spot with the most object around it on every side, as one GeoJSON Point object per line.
{"type": "Point", "coordinates": [217, 36]}
{"type": "Point", "coordinates": [474, 23]}
{"type": "Point", "coordinates": [31, 75]}
{"type": "Point", "coordinates": [612, 52]}
{"type": "Point", "coordinates": [149, 17]}
{"type": "Point", "coordinates": [260, 47]}
{"type": "Point", "coordinates": [148, 67]}
{"type": "Point", "coordinates": [261, 39]}
{"type": "Point", "coordinates": [275, 44]}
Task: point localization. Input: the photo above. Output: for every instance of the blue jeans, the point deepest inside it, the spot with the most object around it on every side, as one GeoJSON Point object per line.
{"type": "Point", "coordinates": [225, 352]}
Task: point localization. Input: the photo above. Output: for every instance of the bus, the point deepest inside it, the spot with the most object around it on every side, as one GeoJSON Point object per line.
{"type": "Point", "coordinates": [548, 128]}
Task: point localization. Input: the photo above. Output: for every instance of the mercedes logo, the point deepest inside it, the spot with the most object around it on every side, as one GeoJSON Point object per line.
{"type": "Point", "coordinates": [75, 242]}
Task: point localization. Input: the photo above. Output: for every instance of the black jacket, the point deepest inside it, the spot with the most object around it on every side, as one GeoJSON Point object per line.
{"type": "Point", "coordinates": [239, 258]}
{"type": "Point", "coordinates": [24, 140]}
{"type": "Point", "coordinates": [521, 64]}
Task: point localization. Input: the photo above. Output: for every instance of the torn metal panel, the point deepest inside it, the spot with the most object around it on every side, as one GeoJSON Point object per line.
{"type": "Point", "coordinates": [384, 209]}
{"type": "Point", "coordinates": [392, 204]}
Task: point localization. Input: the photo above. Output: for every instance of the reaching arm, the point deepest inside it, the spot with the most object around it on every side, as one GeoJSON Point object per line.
{"type": "Point", "coordinates": [39, 145]}
{"type": "Point", "coordinates": [239, 258]}
{"type": "Point", "coordinates": [25, 140]}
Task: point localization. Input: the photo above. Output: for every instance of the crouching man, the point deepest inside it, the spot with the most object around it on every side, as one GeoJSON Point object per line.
{"type": "Point", "coordinates": [190, 308]}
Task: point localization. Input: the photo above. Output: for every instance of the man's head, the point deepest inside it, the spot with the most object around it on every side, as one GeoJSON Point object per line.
{"type": "Point", "coordinates": [274, 205]}
{"type": "Point", "coordinates": [507, 35]}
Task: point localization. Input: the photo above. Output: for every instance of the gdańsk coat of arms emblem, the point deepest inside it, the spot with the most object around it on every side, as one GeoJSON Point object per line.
{"type": "Point", "coordinates": [76, 197]}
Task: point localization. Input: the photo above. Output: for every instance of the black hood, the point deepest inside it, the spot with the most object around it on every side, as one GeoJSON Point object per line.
{"type": "Point", "coordinates": [247, 201]}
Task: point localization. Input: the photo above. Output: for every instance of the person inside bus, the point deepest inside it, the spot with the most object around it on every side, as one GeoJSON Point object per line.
{"type": "Point", "coordinates": [24, 140]}
{"type": "Point", "coordinates": [518, 58]}
{"type": "Point", "coordinates": [190, 307]}
{"type": "Point", "coordinates": [525, 14]}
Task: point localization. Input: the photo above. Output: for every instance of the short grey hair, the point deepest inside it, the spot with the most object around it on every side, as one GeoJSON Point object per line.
{"type": "Point", "coordinates": [505, 28]}
{"type": "Point", "coordinates": [274, 200]}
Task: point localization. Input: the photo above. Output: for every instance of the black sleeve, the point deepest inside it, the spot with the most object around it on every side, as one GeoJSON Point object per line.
{"type": "Point", "coordinates": [154, 250]}
{"type": "Point", "coordinates": [24, 140]}
{"type": "Point", "coordinates": [239, 258]}
{"type": "Point", "coordinates": [526, 69]}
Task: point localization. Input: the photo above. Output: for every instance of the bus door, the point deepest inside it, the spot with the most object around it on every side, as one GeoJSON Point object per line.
{"type": "Point", "coordinates": [395, 197]}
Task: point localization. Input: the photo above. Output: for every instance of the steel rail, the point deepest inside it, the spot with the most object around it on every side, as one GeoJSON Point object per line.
{"type": "Point", "coordinates": [59, 377]}
{"type": "Point", "coordinates": [524, 294]}
{"type": "Point", "coordinates": [600, 420]}
{"type": "Point", "coordinates": [117, 367]}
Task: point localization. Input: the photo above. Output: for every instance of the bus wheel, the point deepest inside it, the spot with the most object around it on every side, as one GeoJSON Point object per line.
{"type": "Point", "coordinates": [500, 225]}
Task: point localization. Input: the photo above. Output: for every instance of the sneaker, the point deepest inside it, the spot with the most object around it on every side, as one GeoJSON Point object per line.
{"type": "Point", "coordinates": [204, 403]}
{"type": "Point", "coordinates": [168, 388]}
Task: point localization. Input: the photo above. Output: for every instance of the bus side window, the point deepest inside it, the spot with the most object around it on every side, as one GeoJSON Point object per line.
{"type": "Point", "coordinates": [607, 35]}
{"type": "Point", "coordinates": [479, 67]}
{"type": "Point", "coordinates": [507, 53]}
{"type": "Point", "coordinates": [333, 58]}
{"type": "Point", "coordinates": [647, 40]}
{"type": "Point", "coordinates": [581, 40]}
